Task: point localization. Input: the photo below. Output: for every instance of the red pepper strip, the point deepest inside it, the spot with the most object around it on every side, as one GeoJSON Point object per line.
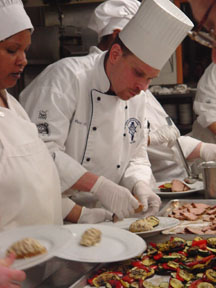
{"type": "Point", "coordinates": [167, 267]}
{"type": "Point", "coordinates": [200, 243]}
{"type": "Point", "coordinates": [116, 283]}
{"type": "Point", "coordinates": [90, 280]}
{"type": "Point", "coordinates": [154, 245]}
{"type": "Point", "coordinates": [141, 283]}
{"type": "Point", "coordinates": [154, 266]}
{"type": "Point", "coordinates": [182, 253]}
{"type": "Point", "coordinates": [140, 265]}
{"type": "Point", "coordinates": [203, 260]}
{"type": "Point", "coordinates": [158, 256]}
{"type": "Point", "coordinates": [195, 283]}
{"type": "Point", "coordinates": [161, 186]}
{"type": "Point", "coordinates": [128, 279]}
{"type": "Point", "coordinates": [178, 276]}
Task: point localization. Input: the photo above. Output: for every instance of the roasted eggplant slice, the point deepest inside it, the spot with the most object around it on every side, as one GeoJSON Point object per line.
{"type": "Point", "coordinates": [211, 275]}
{"type": "Point", "coordinates": [175, 283]}
{"type": "Point", "coordinates": [211, 242]}
{"type": "Point", "coordinates": [205, 285]}
{"type": "Point", "coordinates": [154, 221]}
{"type": "Point", "coordinates": [185, 275]}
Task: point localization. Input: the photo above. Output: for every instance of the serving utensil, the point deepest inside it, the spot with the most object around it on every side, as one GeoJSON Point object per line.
{"type": "Point", "coordinates": [190, 179]}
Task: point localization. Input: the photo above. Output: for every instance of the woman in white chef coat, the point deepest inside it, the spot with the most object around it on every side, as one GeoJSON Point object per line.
{"type": "Point", "coordinates": [204, 127]}
{"type": "Point", "coordinates": [107, 20]}
{"type": "Point", "coordinates": [87, 113]}
{"type": "Point", "coordinates": [30, 191]}
{"type": "Point", "coordinates": [30, 186]}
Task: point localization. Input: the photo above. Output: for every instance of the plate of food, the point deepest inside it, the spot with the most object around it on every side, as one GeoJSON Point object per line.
{"type": "Point", "coordinates": [33, 245]}
{"type": "Point", "coordinates": [177, 188]}
{"type": "Point", "coordinates": [96, 243]}
{"type": "Point", "coordinates": [145, 226]}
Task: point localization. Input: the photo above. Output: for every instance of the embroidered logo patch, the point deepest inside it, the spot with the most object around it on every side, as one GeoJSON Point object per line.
{"type": "Point", "coordinates": [42, 114]}
{"type": "Point", "coordinates": [43, 128]}
{"type": "Point", "coordinates": [132, 125]}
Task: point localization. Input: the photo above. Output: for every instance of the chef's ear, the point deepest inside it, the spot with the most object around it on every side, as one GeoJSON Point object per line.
{"type": "Point", "coordinates": [115, 53]}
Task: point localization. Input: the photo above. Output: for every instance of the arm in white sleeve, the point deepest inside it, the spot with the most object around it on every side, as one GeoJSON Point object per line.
{"type": "Point", "coordinates": [52, 110]}
{"type": "Point", "coordinates": [205, 99]}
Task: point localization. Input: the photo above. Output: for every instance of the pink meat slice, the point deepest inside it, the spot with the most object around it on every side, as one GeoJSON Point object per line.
{"type": "Point", "coordinates": [200, 205]}
{"type": "Point", "coordinates": [179, 186]}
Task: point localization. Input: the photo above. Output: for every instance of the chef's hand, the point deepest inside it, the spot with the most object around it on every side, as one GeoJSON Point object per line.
{"type": "Point", "coordinates": [164, 135]}
{"type": "Point", "coordinates": [151, 202]}
{"type": "Point", "coordinates": [9, 275]}
{"type": "Point", "coordinates": [114, 197]}
{"type": "Point", "coordinates": [208, 152]}
{"type": "Point", "coordinates": [94, 215]}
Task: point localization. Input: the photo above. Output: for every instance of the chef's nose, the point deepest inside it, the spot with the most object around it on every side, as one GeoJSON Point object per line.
{"type": "Point", "coordinates": [21, 59]}
{"type": "Point", "coordinates": [143, 85]}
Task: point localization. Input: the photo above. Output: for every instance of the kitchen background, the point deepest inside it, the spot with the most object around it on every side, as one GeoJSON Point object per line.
{"type": "Point", "coordinates": [61, 31]}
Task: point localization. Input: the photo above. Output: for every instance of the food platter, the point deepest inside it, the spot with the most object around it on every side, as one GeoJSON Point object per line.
{"type": "Point", "coordinates": [164, 223]}
{"type": "Point", "coordinates": [194, 188]}
{"type": "Point", "coordinates": [115, 245]}
{"type": "Point", "coordinates": [51, 236]}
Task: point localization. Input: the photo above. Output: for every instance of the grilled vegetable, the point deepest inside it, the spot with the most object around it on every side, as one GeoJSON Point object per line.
{"type": "Point", "coordinates": [211, 275]}
{"type": "Point", "coordinates": [175, 283]}
{"type": "Point", "coordinates": [154, 221]}
{"type": "Point", "coordinates": [211, 242]}
{"type": "Point", "coordinates": [166, 187]}
{"type": "Point", "coordinates": [205, 285]}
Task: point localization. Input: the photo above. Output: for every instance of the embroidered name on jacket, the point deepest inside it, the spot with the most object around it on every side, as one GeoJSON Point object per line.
{"type": "Point", "coordinates": [132, 126]}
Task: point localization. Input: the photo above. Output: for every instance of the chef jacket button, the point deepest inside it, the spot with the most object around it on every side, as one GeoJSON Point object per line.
{"type": "Point", "coordinates": [126, 107]}
{"type": "Point", "coordinates": [124, 134]}
{"type": "Point", "coordinates": [118, 166]}
{"type": "Point", "coordinates": [88, 159]}
{"type": "Point", "coordinates": [98, 98]}
{"type": "Point", "coordinates": [94, 128]}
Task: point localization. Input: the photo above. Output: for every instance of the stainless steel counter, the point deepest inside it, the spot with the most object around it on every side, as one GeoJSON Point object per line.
{"type": "Point", "coordinates": [59, 273]}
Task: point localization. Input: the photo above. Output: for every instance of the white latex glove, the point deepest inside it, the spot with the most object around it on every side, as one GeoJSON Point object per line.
{"type": "Point", "coordinates": [150, 200]}
{"type": "Point", "coordinates": [208, 152]}
{"type": "Point", "coordinates": [94, 215]}
{"type": "Point", "coordinates": [164, 135]}
{"type": "Point", "coordinates": [114, 197]}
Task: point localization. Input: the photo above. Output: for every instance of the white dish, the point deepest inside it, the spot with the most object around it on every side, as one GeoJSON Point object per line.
{"type": "Point", "coordinates": [164, 223]}
{"type": "Point", "coordinates": [115, 245]}
{"type": "Point", "coordinates": [195, 187]}
{"type": "Point", "coordinates": [51, 236]}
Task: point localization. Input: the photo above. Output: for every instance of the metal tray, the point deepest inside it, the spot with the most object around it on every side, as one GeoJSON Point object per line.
{"type": "Point", "coordinates": [176, 202]}
{"type": "Point", "coordinates": [180, 228]}
{"type": "Point", "coordinates": [82, 282]}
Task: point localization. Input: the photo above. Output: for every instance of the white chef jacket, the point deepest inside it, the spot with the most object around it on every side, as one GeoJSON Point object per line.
{"type": "Point", "coordinates": [162, 158]}
{"type": "Point", "coordinates": [205, 105]}
{"type": "Point", "coordinates": [29, 183]}
{"type": "Point", "coordinates": [85, 128]}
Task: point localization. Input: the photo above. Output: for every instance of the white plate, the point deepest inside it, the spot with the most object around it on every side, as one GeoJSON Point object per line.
{"type": "Point", "coordinates": [115, 245]}
{"type": "Point", "coordinates": [164, 223]}
{"type": "Point", "coordinates": [195, 187]}
{"type": "Point", "coordinates": [51, 236]}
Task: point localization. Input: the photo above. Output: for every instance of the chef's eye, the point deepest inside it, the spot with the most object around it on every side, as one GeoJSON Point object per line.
{"type": "Point", "coordinates": [138, 73]}
{"type": "Point", "coordinates": [11, 51]}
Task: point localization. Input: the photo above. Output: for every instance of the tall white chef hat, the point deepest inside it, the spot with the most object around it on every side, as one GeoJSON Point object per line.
{"type": "Point", "coordinates": [112, 14]}
{"type": "Point", "coordinates": [155, 32]}
{"type": "Point", "coordinates": [13, 18]}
